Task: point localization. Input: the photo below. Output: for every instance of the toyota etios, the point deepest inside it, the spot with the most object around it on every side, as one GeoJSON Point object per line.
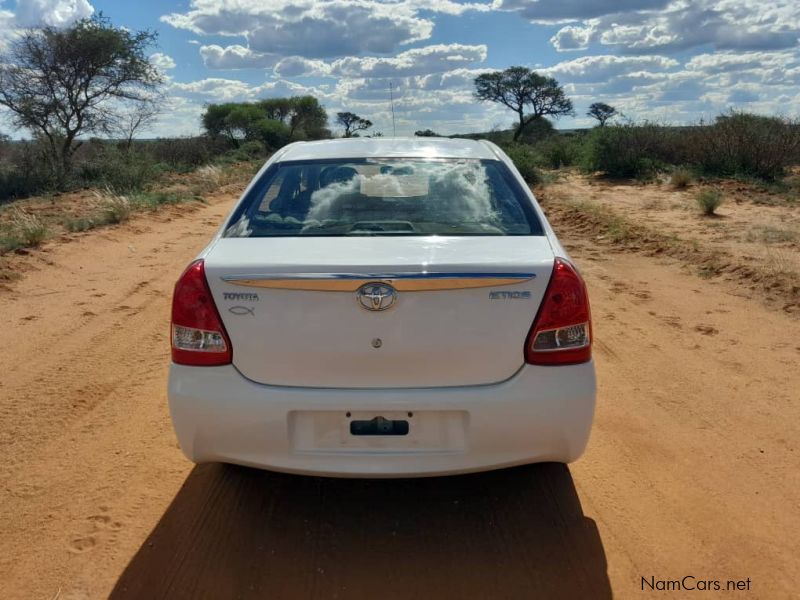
{"type": "Point", "coordinates": [383, 308]}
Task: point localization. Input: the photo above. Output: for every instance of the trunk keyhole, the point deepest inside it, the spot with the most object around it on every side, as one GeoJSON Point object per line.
{"type": "Point", "coordinates": [377, 343]}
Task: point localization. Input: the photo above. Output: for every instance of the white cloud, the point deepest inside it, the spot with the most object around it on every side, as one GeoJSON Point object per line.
{"type": "Point", "coordinates": [681, 25]}
{"type": "Point", "coordinates": [163, 62]}
{"type": "Point", "coordinates": [311, 29]}
{"type": "Point", "coordinates": [297, 66]}
{"type": "Point", "coordinates": [418, 61]}
{"type": "Point", "coordinates": [56, 13]}
{"type": "Point", "coordinates": [572, 37]}
{"type": "Point", "coordinates": [559, 11]}
{"type": "Point", "coordinates": [214, 88]}
{"type": "Point", "coordinates": [606, 67]}
{"type": "Point", "coordinates": [235, 57]}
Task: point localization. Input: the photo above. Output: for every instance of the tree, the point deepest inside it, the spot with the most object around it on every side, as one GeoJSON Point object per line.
{"type": "Point", "coordinates": [135, 117]}
{"type": "Point", "coordinates": [426, 133]}
{"type": "Point", "coordinates": [308, 118]}
{"type": "Point", "coordinates": [525, 92]}
{"type": "Point", "coordinates": [303, 115]}
{"type": "Point", "coordinates": [602, 112]}
{"type": "Point", "coordinates": [62, 83]}
{"type": "Point", "coordinates": [245, 122]}
{"type": "Point", "coordinates": [352, 123]}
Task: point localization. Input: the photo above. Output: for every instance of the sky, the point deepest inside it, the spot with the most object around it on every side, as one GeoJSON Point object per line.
{"type": "Point", "coordinates": [676, 61]}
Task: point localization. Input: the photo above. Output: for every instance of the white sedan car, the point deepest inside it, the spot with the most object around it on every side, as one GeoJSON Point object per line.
{"type": "Point", "coordinates": [383, 308]}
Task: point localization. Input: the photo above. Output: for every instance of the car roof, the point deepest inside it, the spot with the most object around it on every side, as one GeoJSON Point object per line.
{"type": "Point", "coordinates": [427, 147]}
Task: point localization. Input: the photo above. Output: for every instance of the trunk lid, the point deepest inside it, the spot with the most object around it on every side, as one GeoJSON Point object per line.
{"type": "Point", "coordinates": [462, 310]}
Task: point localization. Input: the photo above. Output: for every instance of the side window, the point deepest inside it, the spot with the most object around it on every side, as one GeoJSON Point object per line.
{"type": "Point", "coordinates": [273, 191]}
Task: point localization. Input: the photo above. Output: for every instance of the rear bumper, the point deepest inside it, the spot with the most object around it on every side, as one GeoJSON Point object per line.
{"type": "Point", "coordinates": [540, 414]}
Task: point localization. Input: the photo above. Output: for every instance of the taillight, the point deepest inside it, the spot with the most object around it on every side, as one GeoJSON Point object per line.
{"type": "Point", "coordinates": [562, 331]}
{"type": "Point", "coordinates": [198, 336]}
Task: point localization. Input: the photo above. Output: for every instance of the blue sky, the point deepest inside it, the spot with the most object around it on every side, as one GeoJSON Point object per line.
{"type": "Point", "coordinates": [666, 60]}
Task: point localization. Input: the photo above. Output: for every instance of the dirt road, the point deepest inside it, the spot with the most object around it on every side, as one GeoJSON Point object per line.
{"type": "Point", "coordinates": [693, 467]}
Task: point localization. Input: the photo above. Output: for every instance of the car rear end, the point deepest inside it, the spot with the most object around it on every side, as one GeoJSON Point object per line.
{"type": "Point", "coordinates": [339, 325]}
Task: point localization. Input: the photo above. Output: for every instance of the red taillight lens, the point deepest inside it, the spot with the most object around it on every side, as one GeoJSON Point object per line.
{"type": "Point", "coordinates": [198, 336]}
{"type": "Point", "coordinates": [562, 331]}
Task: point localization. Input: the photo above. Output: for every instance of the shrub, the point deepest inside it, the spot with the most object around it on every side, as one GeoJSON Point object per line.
{"type": "Point", "coordinates": [680, 178]}
{"type": "Point", "coordinates": [252, 149]}
{"type": "Point", "coordinates": [709, 201]}
{"type": "Point", "coordinates": [625, 150]}
{"type": "Point", "coordinates": [525, 160]}
{"type": "Point", "coordinates": [184, 154]}
{"type": "Point", "coordinates": [537, 131]}
{"type": "Point", "coordinates": [24, 171]}
{"type": "Point", "coordinates": [749, 145]}
{"type": "Point", "coordinates": [119, 171]}
{"type": "Point", "coordinates": [559, 151]}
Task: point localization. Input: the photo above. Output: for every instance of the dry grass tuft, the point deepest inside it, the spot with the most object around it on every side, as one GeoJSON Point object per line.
{"type": "Point", "coordinates": [210, 178]}
{"type": "Point", "coordinates": [29, 228]}
{"type": "Point", "coordinates": [709, 200]}
{"type": "Point", "coordinates": [680, 178]}
{"type": "Point", "coordinates": [114, 208]}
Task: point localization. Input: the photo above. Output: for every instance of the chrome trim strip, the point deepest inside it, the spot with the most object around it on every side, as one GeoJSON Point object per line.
{"type": "Point", "coordinates": [401, 281]}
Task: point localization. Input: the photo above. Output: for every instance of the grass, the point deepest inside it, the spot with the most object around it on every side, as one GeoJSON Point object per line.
{"type": "Point", "coordinates": [6, 274]}
{"type": "Point", "coordinates": [9, 241]}
{"type": "Point", "coordinates": [77, 224]}
{"type": "Point", "coordinates": [113, 208]}
{"type": "Point", "coordinates": [772, 235]}
{"type": "Point", "coordinates": [30, 229]}
{"type": "Point", "coordinates": [709, 201]}
{"type": "Point", "coordinates": [210, 177]}
{"type": "Point", "coordinates": [155, 200]}
{"type": "Point", "coordinates": [681, 178]}
{"type": "Point", "coordinates": [615, 227]}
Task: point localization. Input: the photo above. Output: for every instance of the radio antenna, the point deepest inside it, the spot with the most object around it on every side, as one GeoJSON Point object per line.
{"type": "Point", "coordinates": [391, 102]}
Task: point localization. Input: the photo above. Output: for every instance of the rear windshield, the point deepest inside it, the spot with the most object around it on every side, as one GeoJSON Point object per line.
{"type": "Point", "coordinates": [385, 197]}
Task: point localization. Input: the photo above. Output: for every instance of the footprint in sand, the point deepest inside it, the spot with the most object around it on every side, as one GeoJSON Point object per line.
{"type": "Point", "coordinates": [672, 321]}
{"type": "Point", "coordinates": [706, 329]}
{"type": "Point", "coordinates": [104, 522]}
{"type": "Point", "coordinates": [83, 544]}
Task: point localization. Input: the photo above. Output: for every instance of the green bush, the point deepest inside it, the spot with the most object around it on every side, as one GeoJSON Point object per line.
{"type": "Point", "coordinates": [24, 171]}
{"type": "Point", "coordinates": [625, 151]}
{"type": "Point", "coordinates": [537, 131]}
{"type": "Point", "coordinates": [559, 151]}
{"type": "Point", "coordinates": [525, 160]}
{"type": "Point", "coordinates": [184, 154]}
{"type": "Point", "coordinates": [748, 145]}
{"type": "Point", "coordinates": [21, 183]}
{"type": "Point", "coordinates": [120, 171]}
{"type": "Point", "coordinates": [709, 201]}
{"type": "Point", "coordinates": [273, 134]}
{"type": "Point", "coordinates": [252, 149]}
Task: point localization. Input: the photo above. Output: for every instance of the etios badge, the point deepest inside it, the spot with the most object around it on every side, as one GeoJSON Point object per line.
{"type": "Point", "coordinates": [376, 296]}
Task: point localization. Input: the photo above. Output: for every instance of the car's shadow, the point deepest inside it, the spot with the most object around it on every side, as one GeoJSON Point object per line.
{"type": "Point", "coordinates": [240, 533]}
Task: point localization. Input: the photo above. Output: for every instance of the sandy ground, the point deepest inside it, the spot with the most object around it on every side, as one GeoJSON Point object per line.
{"type": "Point", "coordinates": [753, 238]}
{"type": "Point", "coordinates": [692, 468]}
